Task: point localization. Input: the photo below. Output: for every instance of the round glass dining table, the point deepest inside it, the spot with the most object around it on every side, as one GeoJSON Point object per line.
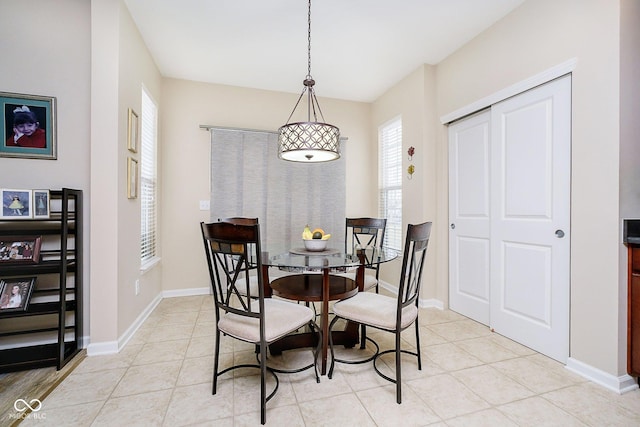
{"type": "Point", "coordinates": [300, 284]}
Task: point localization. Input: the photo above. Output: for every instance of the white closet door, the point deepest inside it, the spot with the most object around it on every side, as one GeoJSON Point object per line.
{"type": "Point", "coordinates": [509, 212]}
{"type": "Point", "coordinates": [469, 215]}
{"type": "Point", "coordinates": [530, 218]}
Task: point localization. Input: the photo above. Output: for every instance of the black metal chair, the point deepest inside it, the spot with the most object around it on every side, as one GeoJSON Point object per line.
{"type": "Point", "coordinates": [390, 314]}
{"type": "Point", "coordinates": [361, 233]}
{"type": "Point", "coordinates": [240, 315]}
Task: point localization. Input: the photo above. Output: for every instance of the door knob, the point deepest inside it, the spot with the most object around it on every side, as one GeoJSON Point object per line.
{"type": "Point", "coordinates": [559, 234]}
{"type": "Point", "coordinates": [453, 226]}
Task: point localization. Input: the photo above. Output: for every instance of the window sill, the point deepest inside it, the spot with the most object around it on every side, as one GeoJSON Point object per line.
{"type": "Point", "coordinates": [148, 265]}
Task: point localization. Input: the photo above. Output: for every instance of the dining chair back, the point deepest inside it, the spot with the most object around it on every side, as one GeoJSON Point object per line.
{"type": "Point", "coordinates": [361, 233]}
{"type": "Point", "coordinates": [253, 272]}
{"type": "Point", "coordinates": [241, 315]}
{"type": "Point", "coordinates": [391, 314]}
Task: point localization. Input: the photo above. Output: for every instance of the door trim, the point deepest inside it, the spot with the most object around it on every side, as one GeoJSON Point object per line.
{"type": "Point", "coordinates": [515, 89]}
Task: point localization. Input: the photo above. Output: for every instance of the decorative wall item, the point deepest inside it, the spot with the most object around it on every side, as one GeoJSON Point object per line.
{"type": "Point", "coordinates": [411, 152]}
{"type": "Point", "coordinates": [20, 249]}
{"type": "Point", "coordinates": [15, 293]}
{"type": "Point", "coordinates": [28, 127]}
{"type": "Point", "coordinates": [40, 203]}
{"type": "Point", "coordinates": [132, 131]}
{"type": "Point", "coordinates": [16, 204]}
{"type": "Point", "coordinates": [410, 170]}
{"type": "Point", "coordinates": [132, 178]}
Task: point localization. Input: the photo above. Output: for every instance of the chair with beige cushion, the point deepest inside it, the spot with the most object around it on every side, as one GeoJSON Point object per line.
{"type": "Point", "coordinates": [387, 313]}
{"type": "Point", "coordinates": [241, 315]}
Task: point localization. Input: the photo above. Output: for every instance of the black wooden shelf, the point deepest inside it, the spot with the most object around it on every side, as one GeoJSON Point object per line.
{"type": "Point", "coordinates": [56, 305]}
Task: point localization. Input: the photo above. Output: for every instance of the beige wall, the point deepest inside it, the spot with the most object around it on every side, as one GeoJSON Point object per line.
{"type": "Point", "coordinates": [49, 57]}
{"type": "Point", "coordinates": [535, 37]}
{"type": "Point", "coordinates": [413, 99]}
{"type": "Point", "coordinates": [186, 159]}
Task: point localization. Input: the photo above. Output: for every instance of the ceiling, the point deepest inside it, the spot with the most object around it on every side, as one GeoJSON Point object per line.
{"type": "Point", "coordinates": [359, 48]}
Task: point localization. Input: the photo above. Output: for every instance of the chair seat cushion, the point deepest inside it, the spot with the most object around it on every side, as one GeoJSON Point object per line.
{"type": "Point", "coordinates": [375, 310]}
{"type": "Point", "coordinates": [369, 279]}
{"type": "Point", "coordinates": [281, 318]}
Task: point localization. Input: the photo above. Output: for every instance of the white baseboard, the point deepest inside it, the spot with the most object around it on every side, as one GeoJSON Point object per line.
{"type": "Point", "coordinates": [619, 385]}
{"type": "Point", "coordinates": [186, 292]}
{"type": "Point", "coordinates": [422, 303]}
{"type": "Point", "coordinates": [112, 347]}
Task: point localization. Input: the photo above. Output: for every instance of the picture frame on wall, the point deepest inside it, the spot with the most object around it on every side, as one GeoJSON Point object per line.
{"type": "Point", "coordinates": [28, 126]}
{"type": "Point", "coordinates": [20, 249]}
{"type": "Point", "coordinates": [15, 293]}
{"type": "Point", "coordinates": [41, 203]}
{"type": "Point", "coordinates": [132, 131]}
{"type": "Point", "coordinates": [16, 204]}
{"type": "Point", "coordinates": [132, 178]}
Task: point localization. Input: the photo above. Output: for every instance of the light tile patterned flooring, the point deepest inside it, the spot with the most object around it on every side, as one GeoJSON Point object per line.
{"type": "Point", "coordinates": [470, 377]}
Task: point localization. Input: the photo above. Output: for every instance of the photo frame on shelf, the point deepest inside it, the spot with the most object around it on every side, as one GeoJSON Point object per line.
{"type": "Point", "coordinates": [132, 178]}
{"type": "Point", "coordinates": [15, 293]}
{"type": "Point", "coordinates": [20, 249]}
{"type": "Point", "coordinates": [28, 126]}
{"type": "Point", "coordinates": [132, 131]}
{"type": "Point", "coordinates": [41, 203]}
{"type": "Point", "coordinates": [16, 204]}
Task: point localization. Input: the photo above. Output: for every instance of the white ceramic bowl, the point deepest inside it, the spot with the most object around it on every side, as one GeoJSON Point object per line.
{"type": "Point", "coordinates": [315, 245]}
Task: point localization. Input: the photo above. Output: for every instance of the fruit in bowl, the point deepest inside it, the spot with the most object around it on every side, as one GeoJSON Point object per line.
{"type": "Point", "coordinates": [316, 240]}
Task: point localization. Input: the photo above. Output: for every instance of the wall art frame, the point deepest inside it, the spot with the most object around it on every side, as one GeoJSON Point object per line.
{"type": "Point", "coordinates": [28, 126]}
{"type": "Point", "coordinates": [132, 178]}
{"type": "Point", "coordinates": [41, 202]}
{"type": "Point", "coordinates": [133, 127]}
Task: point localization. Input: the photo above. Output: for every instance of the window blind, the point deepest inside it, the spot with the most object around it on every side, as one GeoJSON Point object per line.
{"type": "Point", "coordinates": [390, 182]}
{"type": "Point", "coordinates": [248, 179]}
{"type": "Point", "coordinates": [148, 179]}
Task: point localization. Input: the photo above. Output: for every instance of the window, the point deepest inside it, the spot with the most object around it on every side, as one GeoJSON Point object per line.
{"type": "Point", "coordinates": [148, 180]}
{"type": "Point", "coordinates": [390, 184]}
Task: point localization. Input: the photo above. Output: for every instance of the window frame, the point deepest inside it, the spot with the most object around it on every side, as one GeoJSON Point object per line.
{"type": "Point", "coordinates": [390, 180]}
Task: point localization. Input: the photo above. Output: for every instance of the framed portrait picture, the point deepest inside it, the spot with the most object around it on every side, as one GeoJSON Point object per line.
{"type": "Point", "coordinates": [40, 203]}
{"type": "Point", "coordinates": [28, 126]}
{"type": "Point", "coordinates": [15, 293]}
{"type": "Point", "coordinates": [132, 178]}
{"type": "Point", "coordinates": [132, 131]}
{"type": "Point", "coordinates": [20, 249]}
{"type": "Point", "coordinates": [16, 204]}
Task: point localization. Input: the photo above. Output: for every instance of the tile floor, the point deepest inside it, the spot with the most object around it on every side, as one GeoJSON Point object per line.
{"type": "Point", "coordinates": [470, 377]}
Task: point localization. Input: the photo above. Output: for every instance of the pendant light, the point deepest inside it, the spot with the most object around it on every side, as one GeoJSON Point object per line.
{"type": "Point", "coordinates": [310, 141]}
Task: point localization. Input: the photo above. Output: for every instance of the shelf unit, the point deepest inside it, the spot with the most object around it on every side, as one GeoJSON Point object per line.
{"type": "Point", "coordinates": [49, 332]}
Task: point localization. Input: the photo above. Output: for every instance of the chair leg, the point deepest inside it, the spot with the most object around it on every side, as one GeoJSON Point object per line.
{"type": "Point", "coordinates": [418, 346]}
{"type": "Point", "coordinates": [333, 357]}
{"type": "Point", "coordinates": [263, 386]}
{"type": "Point", "coordinates": [215, 362]}
{"type": "Point", "coordinates": [363, 334]}
{"type": "Point", "coordinates": [398, 369]}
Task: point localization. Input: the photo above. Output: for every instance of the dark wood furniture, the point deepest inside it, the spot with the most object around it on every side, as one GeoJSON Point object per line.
{"type": "Point", "coordinates": [49, 332]}
{"type": "Point", "coordinates": [633, 325]}
{"type": "Point", "coordinates": [316, 288]}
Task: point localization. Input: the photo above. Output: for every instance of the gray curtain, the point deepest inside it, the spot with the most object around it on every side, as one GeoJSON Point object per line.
{"type": "Point", "coordinates": [248, 179]}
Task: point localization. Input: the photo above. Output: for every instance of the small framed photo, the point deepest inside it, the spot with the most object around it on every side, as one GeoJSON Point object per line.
{"type": "Point", "coordinates": [15, 293]}
{"type": "Point", "coordinates": [20, 249]}
{"type": "Point", "coordinates": [28, 126]}
{"type": "Point", "coordinates": [16, 204]}
{"type": "Point", "coordinates": [132, 131]}
{"type": "Point", "coordinates": [132, 178]}
{"type": "Point", "coordinates": [40, 204]}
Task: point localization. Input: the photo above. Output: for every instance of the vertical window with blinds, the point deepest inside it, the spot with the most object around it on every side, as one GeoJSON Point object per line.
{"type": "Point", "coordinates": [390, 184]}
{"type": "Point", "coordinates": [148, 179]}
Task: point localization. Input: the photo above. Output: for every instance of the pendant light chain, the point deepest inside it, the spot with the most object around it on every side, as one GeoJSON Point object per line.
{"type": "Point", "coordinates": [309, 41]}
